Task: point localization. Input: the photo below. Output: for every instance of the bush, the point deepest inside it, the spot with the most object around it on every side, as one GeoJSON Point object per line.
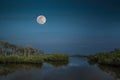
{"type": "Point", "coordinates": [109, 58]}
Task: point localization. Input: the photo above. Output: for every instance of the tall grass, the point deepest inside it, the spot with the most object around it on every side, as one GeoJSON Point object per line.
{"type": "Point", "coordinates": [20, 59]}
{"type": "Point", "coordinates": [56, 57]}
{"type": "Point", "coordinates": [33, 58]}
{"type": "Point", "coordinates": [110, 58]}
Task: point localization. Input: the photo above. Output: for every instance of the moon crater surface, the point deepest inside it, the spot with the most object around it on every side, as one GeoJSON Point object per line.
{"type": "Point", "coordinates": [41, 19]}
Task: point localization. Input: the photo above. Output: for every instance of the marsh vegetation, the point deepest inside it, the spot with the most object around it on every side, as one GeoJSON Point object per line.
{"type": "Point", "coordinates": [10, 53]}
{"type": "Point", "coordinates": [111, 58]}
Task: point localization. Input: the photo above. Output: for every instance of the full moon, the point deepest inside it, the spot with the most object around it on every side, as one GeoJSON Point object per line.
{"type": "Point", "coordinates": [41, 19]}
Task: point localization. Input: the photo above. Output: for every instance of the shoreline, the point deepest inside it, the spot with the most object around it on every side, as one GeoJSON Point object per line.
{"type": "Point", "coordinates": [34, 59]}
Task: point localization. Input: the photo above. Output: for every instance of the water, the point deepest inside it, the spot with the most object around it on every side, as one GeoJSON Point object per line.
{"type": "Point", "coordinates": [76, 69]}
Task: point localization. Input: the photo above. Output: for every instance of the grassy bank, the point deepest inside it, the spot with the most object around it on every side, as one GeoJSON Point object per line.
{"type": "Point", "coordinates": [107, 58]}
{"type": "Point", "coordinates": [79, 56]}
{"type": "Point", "coordinates": [56, 57]}
{"type": "Point", "coordinates": [11, 53]}
{"type": "Point", "coordinates": [34, 59]}
{"type": "Point", "coordinates": [20, 59]}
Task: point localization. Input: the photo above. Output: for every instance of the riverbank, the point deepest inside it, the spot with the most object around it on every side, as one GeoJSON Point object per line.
{"type": "Point", "coordinates": [11, 53]}
{"type": "Point", "coordinates": [34, 59]}
{"type": "Point", "coordinates": [111, 58]}
{"type": "Point", "coordinates": [79, 56]}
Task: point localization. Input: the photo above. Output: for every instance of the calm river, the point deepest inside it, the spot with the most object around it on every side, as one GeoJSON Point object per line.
{"type": "Point", "coordinates": [76, 69]}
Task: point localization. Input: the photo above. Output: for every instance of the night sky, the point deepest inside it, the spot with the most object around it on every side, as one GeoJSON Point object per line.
{"type": "Point", "coordinates": [72, 27]}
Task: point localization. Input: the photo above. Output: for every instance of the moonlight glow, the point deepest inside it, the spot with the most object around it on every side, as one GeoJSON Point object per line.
{"type": "Point", "coordinates": [41, 19]}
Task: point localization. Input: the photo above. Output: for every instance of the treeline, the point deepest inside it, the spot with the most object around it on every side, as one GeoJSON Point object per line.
{"type": "Point", "coordinates": [107, 58]}
{"type": "Point", "coordinates": [11, 49]}
{"type": "Point", "coordinates": [10, 53]}
{"type": "Point", "coordinates": [79, 56]}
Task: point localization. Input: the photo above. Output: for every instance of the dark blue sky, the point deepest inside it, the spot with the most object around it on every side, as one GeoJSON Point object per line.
{"type": "Point", "coordinates": [73, 26]}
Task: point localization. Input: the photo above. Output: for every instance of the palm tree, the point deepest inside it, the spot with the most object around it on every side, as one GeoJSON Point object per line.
{"type": "Point", "coordinates": [32, 51]}
{"type": "Point", "coordinates": [29, 51]}
{"type": "Point", "coordinates": [1, 51]}
{"type": "Point", "coordinates": [16, 50]}
{"type": "Point", "coordinates": [5, 47]}
{"type": "Point", "coordinates": [24, 51]}
{"type": "Point", "coordinates": [41, 52]}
